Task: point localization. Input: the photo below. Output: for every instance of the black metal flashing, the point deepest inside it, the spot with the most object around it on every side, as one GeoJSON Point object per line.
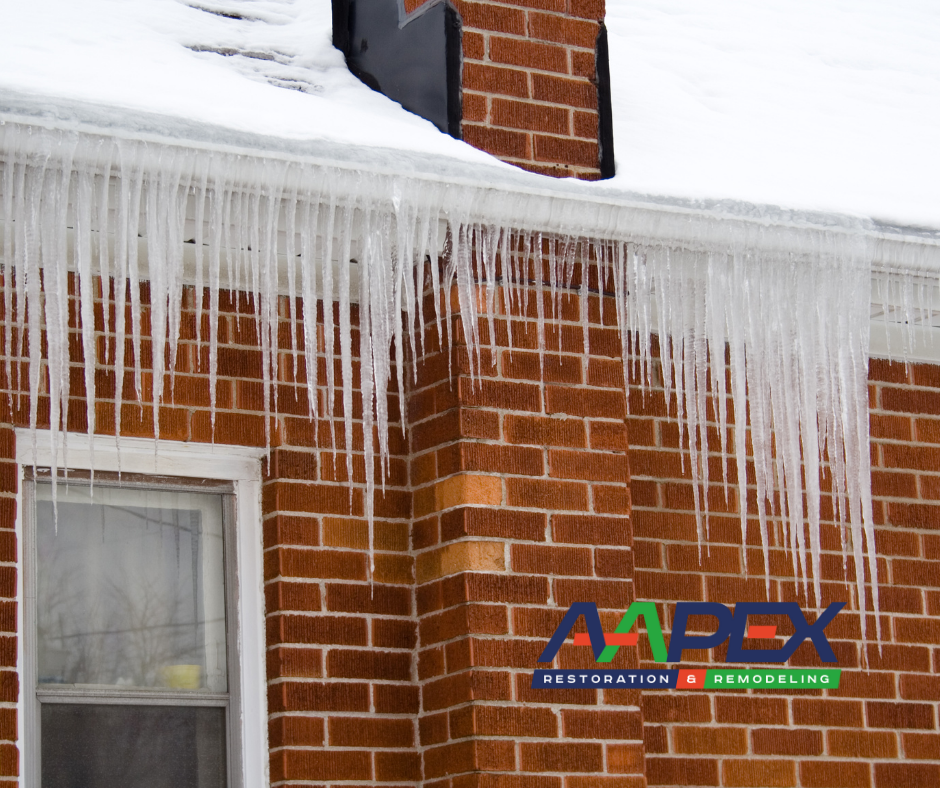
{"type": "Point", "coordinates": [414, 59]}
{"type": "Point", "coordinates": [605, 115]}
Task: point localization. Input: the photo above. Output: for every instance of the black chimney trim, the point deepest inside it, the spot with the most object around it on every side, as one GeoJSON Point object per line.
{"type": "Point", "coordinates": [415, 59]}
{"type": "Point", "coordinates": [605, 116]}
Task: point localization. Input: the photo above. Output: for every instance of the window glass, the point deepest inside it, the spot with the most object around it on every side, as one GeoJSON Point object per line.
{"type": "Point", "coordinates": [99, 746]}
{"type": "Point", "coordinates": [130, 589]}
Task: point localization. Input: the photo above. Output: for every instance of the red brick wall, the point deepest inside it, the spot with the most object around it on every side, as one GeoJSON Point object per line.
{"type": "Point", "coordinates": [342, 702]}
{"type": "Point", "coordinates": [529, 94]}
{"type": "Point", "coordinates": [880, 728]}
{"type": "Point", "coordinates": [341, 697]}
{"type": "Point", "coordinates": [521, 496]}
{"type": "Point", "coordinates": [510, 500]}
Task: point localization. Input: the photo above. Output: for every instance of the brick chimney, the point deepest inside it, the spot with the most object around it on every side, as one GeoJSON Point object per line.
{"type": "Point", "coordinates": [525, 80]}
{"type": "Point", "coordinates": [530, 84]}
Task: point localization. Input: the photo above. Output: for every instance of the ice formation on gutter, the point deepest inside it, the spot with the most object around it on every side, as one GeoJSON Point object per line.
{"type": "Point", "coordinates": [787, 307]}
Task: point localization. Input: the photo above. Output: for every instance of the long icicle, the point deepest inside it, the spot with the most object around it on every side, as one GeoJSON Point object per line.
{"type": "Point", "coordinates": [752, 315]}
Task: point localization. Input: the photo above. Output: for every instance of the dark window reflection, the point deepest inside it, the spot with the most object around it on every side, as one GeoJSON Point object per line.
{"type": "Point", "coordinates": [91, 746]}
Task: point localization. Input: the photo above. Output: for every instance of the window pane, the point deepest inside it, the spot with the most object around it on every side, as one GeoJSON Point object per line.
{"type": "Point", "coordinates": [132, 746]}
{"type": "Point", "coordinates": [130, 588]}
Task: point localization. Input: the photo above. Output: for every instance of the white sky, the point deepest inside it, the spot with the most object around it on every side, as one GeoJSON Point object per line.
{"type": "Point", "coordinates": [819, 104]}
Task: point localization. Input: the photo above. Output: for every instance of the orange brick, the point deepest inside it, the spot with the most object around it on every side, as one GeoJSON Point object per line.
{"type": "Point", "coordinates": [528, 54]}
{"type": "Point", "coordinates": [544, 494]}
{"type": "Point", "coordinates": [559, 757]}
{"type": "Point", "coordinates": [499, 142]}
{"type": "Point", "coordinates": [708, 740]}
{"type": "Point", "coordinates": [295, 730]}
{"type": "Point", "coordinates": [833, 713]}
{"type": "Point", "coordinates": [566, 150]}
{"type": "Point", "coordinates": [823, 774]}
{"type": "Point", "coordinates": [370, 732]}
{"type": "Point", "coordinates": [538, 559]}
{"type": "Point", "coordinates": [682, 771]}
{"type": "Point", "coordinates": [751, 710]}
{"type": "Point", "coordinates": [488, 16]}
{"type": "Point", "coordinates": [529, 116]}
{"type": "Point", "coordinates": [924, 746]}
{"type": "Point", "coordinates": [760, 774]}
{"type": "Point", "coordinates": [496, 80]}
{"type": "Point", "coordinates": [900, 715]}
{"type": "Point", "coordinates": [514, 721]}
{"type": "Point", "coordinates": [862, 744]}
{"type": "Point", "coordinates": [589, 466]}
{"type": "Point", "coordinates": [322, 765]}
{"type": "Point", "coordinates": [557, 28]}
{"type": "Point", "coordinates": [781, 741]}
{"type": "Point", "coordinates": [910, 775]}
{"type": "Point", "coordinates": [676, 708]}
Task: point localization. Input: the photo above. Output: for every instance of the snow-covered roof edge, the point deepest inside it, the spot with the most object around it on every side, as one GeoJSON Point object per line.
{"type": "Point", "coordinates": [500, 193]}
{"type": "Point", "coordinates": [788, 293]}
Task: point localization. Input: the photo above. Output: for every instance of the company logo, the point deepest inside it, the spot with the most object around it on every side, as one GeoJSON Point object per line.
{"type": "Point", "coordinates": [732, 627]}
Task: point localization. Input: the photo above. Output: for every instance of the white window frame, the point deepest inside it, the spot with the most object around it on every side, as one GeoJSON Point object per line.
{"type": "Point", "coordinates": [237, 464]}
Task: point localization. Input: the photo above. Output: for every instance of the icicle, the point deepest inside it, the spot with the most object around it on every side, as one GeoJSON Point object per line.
{"type": "Point", "coordinates": [266, 304]}
{"type": "Point", "coordinates": [345, 340]}
{"type": "Point", "coordinates": [290, 231]}
{"type": "Point", "coordinates": [368, 322]}
{"type": "Point", "coordinates": [423, 259]}
{"type": "Point", "coordinates": [159, 197]}
{"type": "Point", "coordinates": [466, 295]}
{"type": "Point", "coordinates": [132, 220]}
{"type": "Point", "coordinates": [439, 299]}
{"type": "Point", "coordinates": [219, 202]}
{"type": "Point", "coordinates": [178, 206]}
{"type": "Point", "coordinates": [749, 319]}
{"type": "Point", "coordinates": [488, 249]}
{"type": "Point", "coordinates": [402, 284]}
{"type": "Point", "coordinates": [507, 255]}
{"type": "Point", "coordinates": [309, 214]}
{"type": "Point", "coordinates": [200, 193]}
{"type": "Point", "coordinates": [20, 272]}
{"type": "Point", "coordinates": [539, 301]}
{"type": "Point", "coordinates": [583, 303]}
{"type": "Point", "coordinates": [86, 290]}
{"type": "Point", "coordinates": [328, 334]}
{"type": "Point", "coordinates": [8, 274]}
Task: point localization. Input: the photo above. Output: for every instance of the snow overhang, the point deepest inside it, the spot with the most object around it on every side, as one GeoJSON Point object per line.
{"type": "Point", "coordinates": [787, 292]}
{"type": "Point", "coordinates": [489, 192]}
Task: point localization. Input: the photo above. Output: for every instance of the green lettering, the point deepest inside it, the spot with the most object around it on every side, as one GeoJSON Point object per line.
{"type": "Point", "coordinates": [654, 631]}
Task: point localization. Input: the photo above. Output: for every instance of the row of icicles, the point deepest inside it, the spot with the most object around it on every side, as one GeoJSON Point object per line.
{"type": "Point", "coordinates": [126, 213]}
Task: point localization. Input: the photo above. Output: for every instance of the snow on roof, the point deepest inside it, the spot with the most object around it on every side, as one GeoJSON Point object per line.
{"type": "Point", "coordinates": [220, 62]}
{"type": "Point", "coordinates": [822, 105]}
{"type": "Point", "coordinates": [829, 105]}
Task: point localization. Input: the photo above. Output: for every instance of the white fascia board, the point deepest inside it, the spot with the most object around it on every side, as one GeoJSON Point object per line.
{"type": "Point", "coordinates": [895, 342]}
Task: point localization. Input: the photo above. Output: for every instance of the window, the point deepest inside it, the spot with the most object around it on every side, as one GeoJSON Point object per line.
{"type": "Point", "coordinates": [132, 666]}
